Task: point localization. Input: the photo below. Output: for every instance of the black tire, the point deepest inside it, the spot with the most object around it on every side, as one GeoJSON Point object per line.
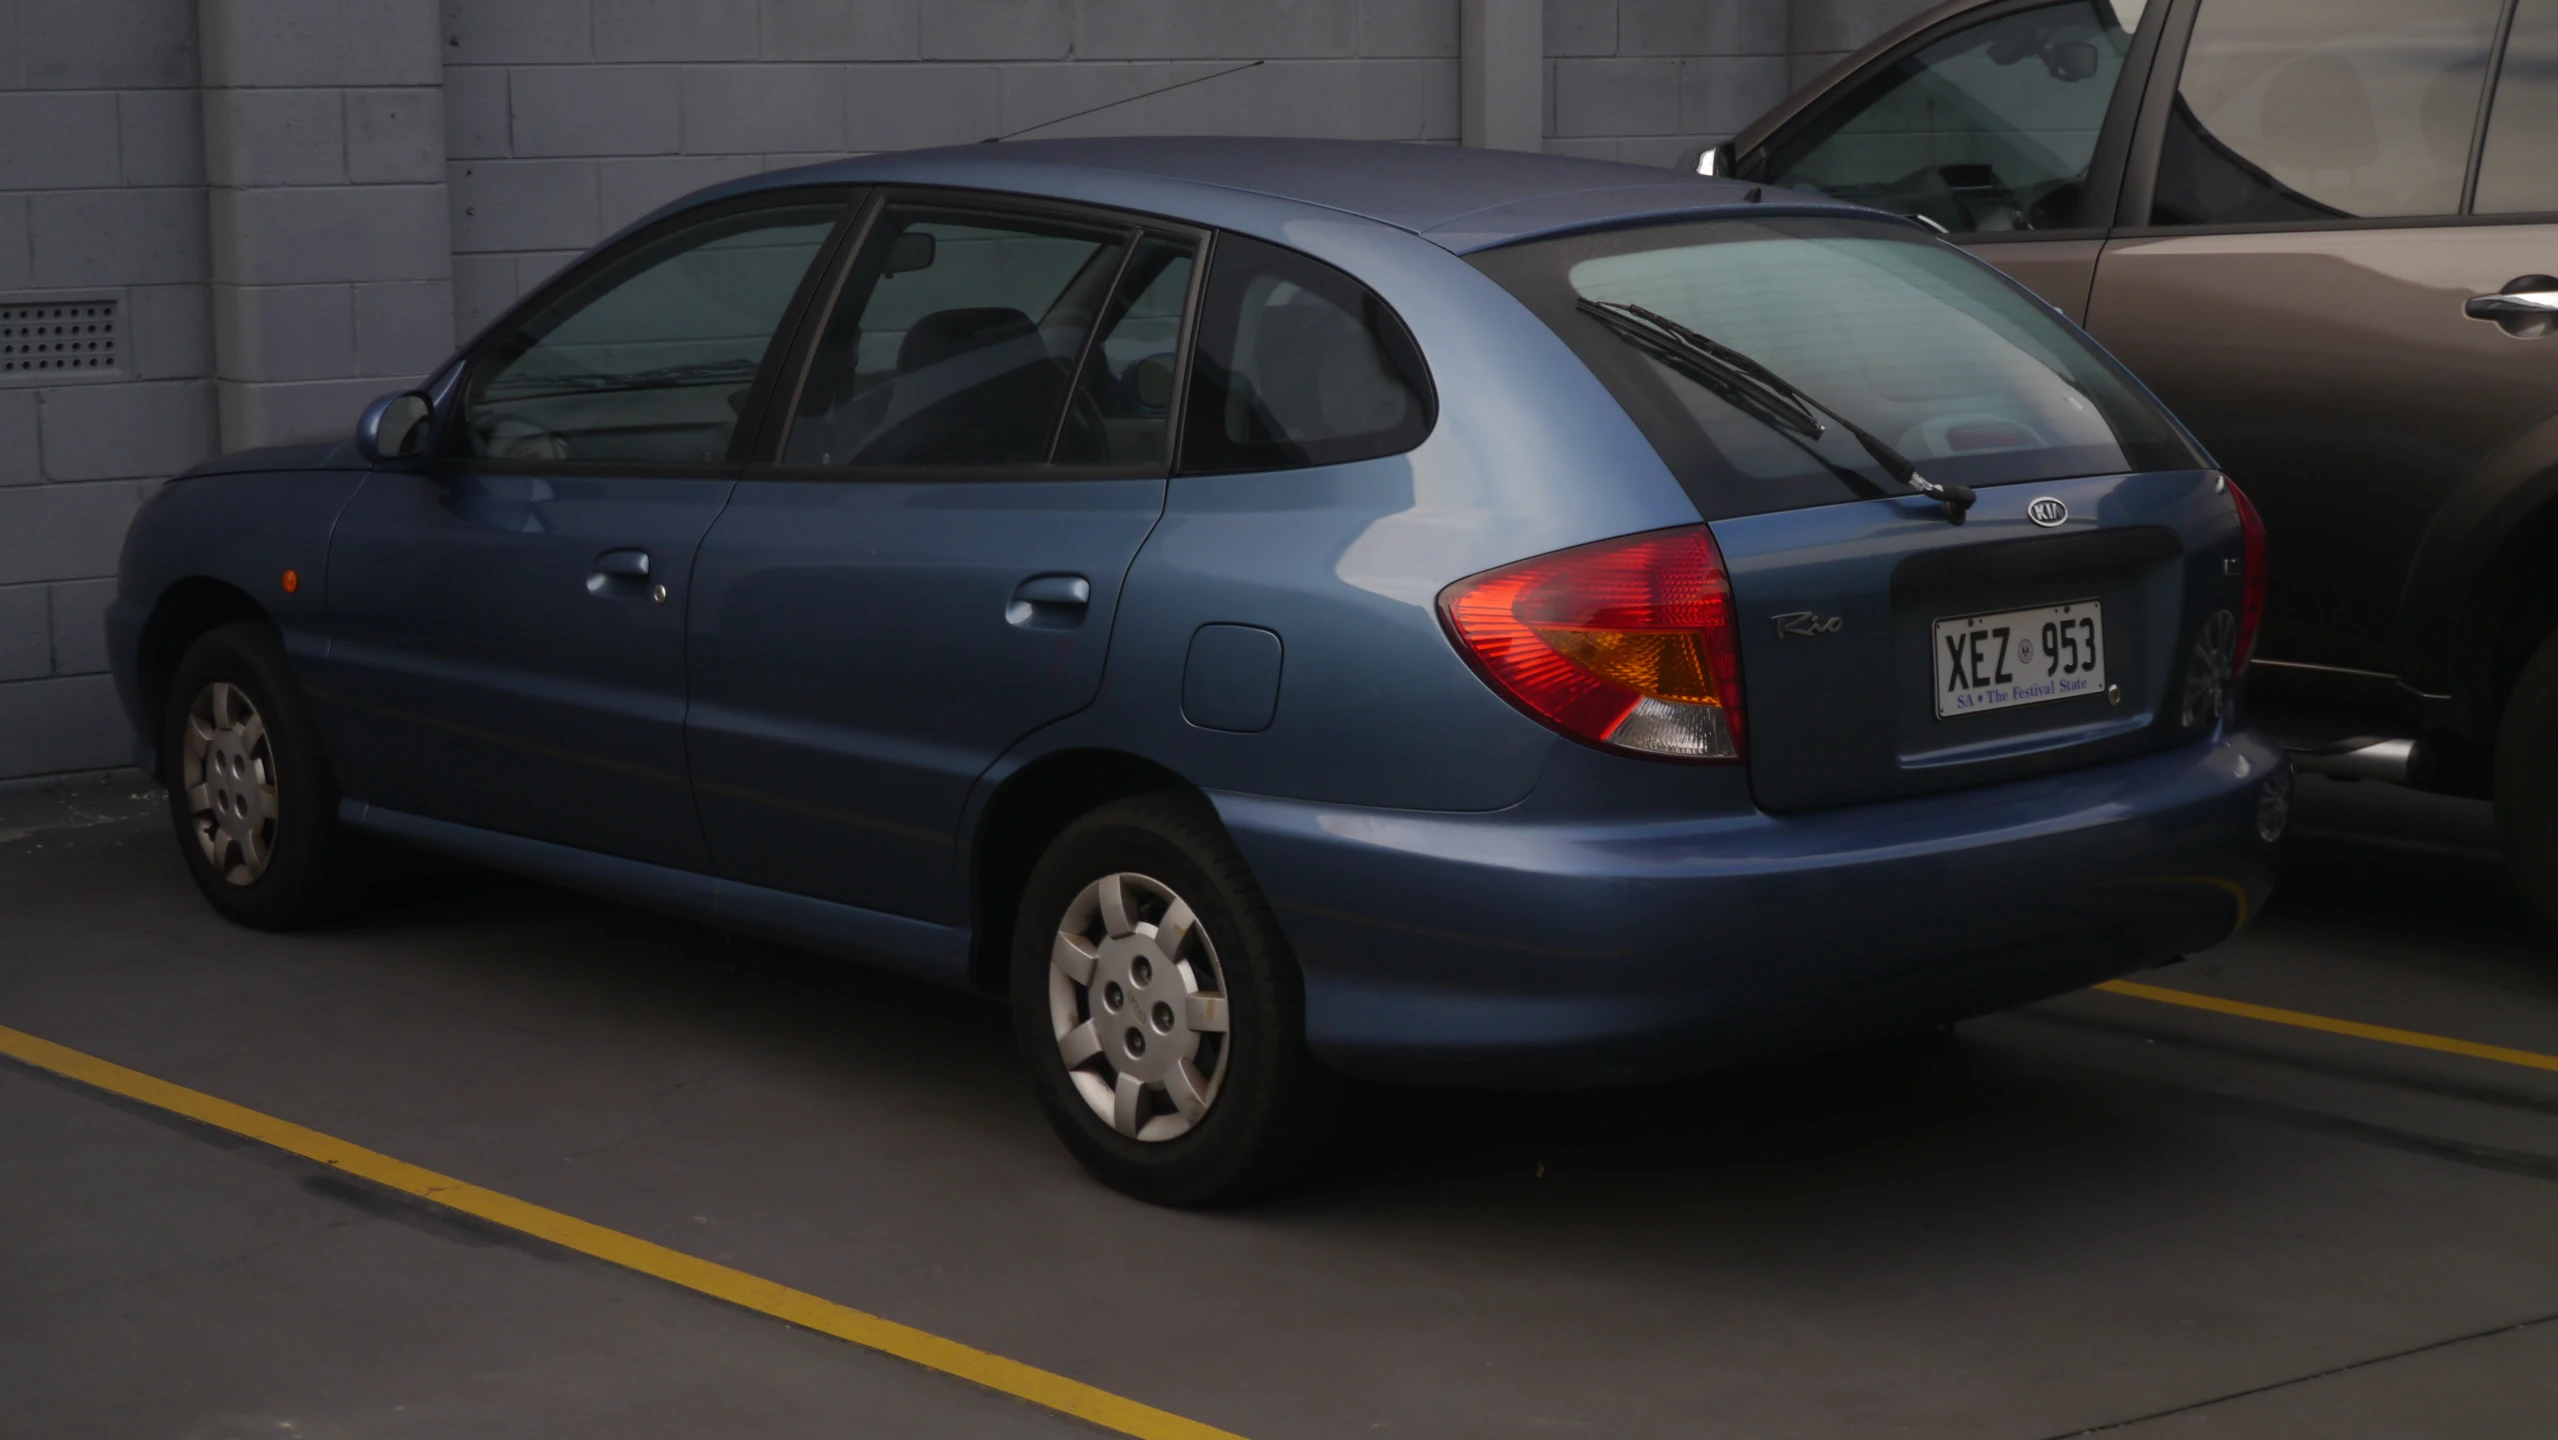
{"type": "Point", "coordinates": [2527, 786]}
{"type": "Point", "coordinates": [1271, 1106]}
{"type": "Point", "coordinates": [313, 870]}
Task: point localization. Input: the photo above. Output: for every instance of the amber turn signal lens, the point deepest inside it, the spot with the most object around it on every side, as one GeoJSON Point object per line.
{"type": "Point", "coordinates": [292, 581]}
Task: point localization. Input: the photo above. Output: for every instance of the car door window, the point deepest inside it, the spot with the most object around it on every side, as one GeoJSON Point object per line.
{"type": "Point", "coordinates": [650, 357]}
{"type": "Point", "coordinates": [1991, 128]}
{"type": "Point", "coordinates": [956, 338]}
{"type": "Point", "coordinates": [1123, 396]}
{"type": "Point", "coordinates": [2324, 109]}
{"type": "Point", "coordinates": [1297, 364]}
{"type": "Point", "coordinates": [2520, 169]}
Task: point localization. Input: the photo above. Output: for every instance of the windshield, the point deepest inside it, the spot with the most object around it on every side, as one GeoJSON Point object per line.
{"type": "Point", "coordinates": [1929, 349]}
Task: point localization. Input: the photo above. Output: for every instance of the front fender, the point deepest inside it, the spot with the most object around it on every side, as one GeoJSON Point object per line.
{"type": "Point", "coordinates": [211, 534]}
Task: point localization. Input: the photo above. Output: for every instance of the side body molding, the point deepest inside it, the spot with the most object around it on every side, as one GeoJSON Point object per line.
{"type": "Point", "coordinates": [916, 948]}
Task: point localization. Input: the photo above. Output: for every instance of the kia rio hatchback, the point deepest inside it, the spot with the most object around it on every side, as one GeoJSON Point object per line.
{"type": "Point", "coordinates": [1273, 611]}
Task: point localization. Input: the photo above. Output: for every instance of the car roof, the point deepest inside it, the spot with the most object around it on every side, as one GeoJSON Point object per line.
{"type": "Point", "coordinates": [1462, 199]}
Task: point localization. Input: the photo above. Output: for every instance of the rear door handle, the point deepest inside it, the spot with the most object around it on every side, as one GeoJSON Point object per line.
{"type": "Point", "coordinates": [623, 574]}
{"type": "Point", "coordinates": [2528, 307]}
{"type": "Point", "coordinates": [1050, 602]}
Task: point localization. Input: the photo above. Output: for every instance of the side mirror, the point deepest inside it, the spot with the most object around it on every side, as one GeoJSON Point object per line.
{"type": "Point", "coordinates": [1710, 160]}
{"type": "Point", "coordinates": [911, 251]}
{"type": "Point", "coordinates": [394, 427]}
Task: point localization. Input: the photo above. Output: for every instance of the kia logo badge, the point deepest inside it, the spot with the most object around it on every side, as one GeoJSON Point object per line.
{"type": "Point", "coordinates": [2047, 512]}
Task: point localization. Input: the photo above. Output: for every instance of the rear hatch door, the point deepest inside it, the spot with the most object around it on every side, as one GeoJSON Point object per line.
{"type": "Point", "coordinates": [1886, 652]}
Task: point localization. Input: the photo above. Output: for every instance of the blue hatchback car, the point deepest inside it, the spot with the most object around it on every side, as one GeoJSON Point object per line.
{"type": "Point", "coordinates": [1276, 611]}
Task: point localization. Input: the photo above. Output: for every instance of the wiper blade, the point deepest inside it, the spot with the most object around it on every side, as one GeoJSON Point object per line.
{"type": "Point", "coordinates": [1761, 393]}
{"type": "Point", "coordinates": [663, 378]}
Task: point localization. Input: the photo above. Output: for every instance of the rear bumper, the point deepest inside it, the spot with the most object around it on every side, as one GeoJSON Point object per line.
{"type": "Point", "coordinates": [1498, 949]}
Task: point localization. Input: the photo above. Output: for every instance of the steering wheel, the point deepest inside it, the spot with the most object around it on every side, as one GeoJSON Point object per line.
{"type": "Point", "coordinates": [508, 436]}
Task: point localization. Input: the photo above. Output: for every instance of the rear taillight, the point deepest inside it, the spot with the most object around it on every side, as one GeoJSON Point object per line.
{"type": "Point", "coordinates": [1629, 643]}
{"type": "Point", "coordinates": [2251, 608]}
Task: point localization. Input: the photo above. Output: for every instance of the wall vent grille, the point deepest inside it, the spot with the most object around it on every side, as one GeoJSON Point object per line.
{"type": "Point", "coordinates": [60, 338]}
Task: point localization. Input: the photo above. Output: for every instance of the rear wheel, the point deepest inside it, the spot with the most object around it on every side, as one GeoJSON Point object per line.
{"type": "Point", "coordinates": [249, 789]}
{"type": "Point", "coordinates": [1160, 1012]}
{"type": "Point", "coordinates": [2527, 785]}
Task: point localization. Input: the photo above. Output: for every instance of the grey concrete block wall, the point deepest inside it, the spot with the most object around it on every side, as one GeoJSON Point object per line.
{"type": "Point", "coordinates": [1823, 32]}
{"type": "Point", "coordinates": [324, 157]}
{"type": "Point", "coordinates": [1643, 80]}
{"type": "Point", "coordinates": [101, 199]}
{"type": "Point", "coordinates": [566, 119]}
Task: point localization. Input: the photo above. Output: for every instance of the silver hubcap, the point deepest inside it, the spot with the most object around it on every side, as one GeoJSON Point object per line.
{"type": "Point", "coordinates": [2207, 673]}
{"type": "Point", "coordinates": [1139, 1005]}
{"type": "Point", "coordinates": [230, 783]}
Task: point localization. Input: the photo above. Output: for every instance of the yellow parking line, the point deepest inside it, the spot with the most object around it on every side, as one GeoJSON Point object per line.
{"type": "Point", "coordinates": [2301, 1019]}
{"type": "Point", "coordinates": [1010, 1377]}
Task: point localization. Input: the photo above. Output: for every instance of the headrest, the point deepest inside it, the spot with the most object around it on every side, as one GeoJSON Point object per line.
{"type": "Point", "coordinates": [946, 334]}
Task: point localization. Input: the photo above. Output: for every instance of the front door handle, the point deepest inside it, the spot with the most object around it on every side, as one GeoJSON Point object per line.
{"type": "Point", "coordinates": [2526, 309]}
{"type": "Point", "coordinates": [1050, 602]}
{"type": "Point", "coordinates": [623, 575]}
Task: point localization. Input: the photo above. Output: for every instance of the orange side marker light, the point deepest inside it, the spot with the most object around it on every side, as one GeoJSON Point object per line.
{"type": "Point", "coordinates": [292, 581]}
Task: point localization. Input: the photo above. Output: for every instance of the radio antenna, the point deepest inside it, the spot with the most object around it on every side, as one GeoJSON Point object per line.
{"type": "Point", "coordinates": [1125, 100]}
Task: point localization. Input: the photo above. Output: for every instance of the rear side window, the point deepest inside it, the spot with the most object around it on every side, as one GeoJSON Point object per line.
{"type": "Point", "coordinates": [2520, 169]}
{"type": "Point", "coordinates": [1991, 128]}
{"type": "Point", "coordinates": [1297, 364]}
{"type": "Point", "coordinates": [1934, 352]}
{"type": "Point", "coordinates": [955, 339]}
{"type": "Point", "coordinates": [2324, 109]}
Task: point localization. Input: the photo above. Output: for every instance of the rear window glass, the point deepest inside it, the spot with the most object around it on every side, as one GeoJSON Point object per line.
{"type": "Point", "coordinates": [1972, 379]}
{"type": "Point", "coordinates": [1297, 364]}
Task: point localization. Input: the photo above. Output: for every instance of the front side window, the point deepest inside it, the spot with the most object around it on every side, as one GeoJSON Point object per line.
{"type": "Point", "coordinates": [1927, 348]}
{"type": "Point", "coordinates": [1991, 128]}
{"type": "Point", "coordinates": [2520, 169]}
{"type": "Point", "coordinates": [1297, 364]}
{"type": "Point", "coordinates": [649, 359]}
{"type": "Point", "coordinates": [2324, 109]}
{"type": "Point", "coordinates": [956, 338]}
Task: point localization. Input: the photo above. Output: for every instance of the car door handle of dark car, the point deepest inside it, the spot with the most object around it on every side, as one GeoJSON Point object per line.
{"type": "Point", "coordinates": [1050, 602]}
{"type": "Point", "coordinates": [2527, 308]}
{"type": "Point", "coordinates": [622, 575]}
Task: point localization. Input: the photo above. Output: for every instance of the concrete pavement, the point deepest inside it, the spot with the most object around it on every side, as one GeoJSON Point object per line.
{"type": "Point", "coordinates": [2098, 1212]}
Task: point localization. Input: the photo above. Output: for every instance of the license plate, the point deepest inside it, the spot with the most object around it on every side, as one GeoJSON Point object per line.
{"type": "Point", "coordinates": [2019, 657]}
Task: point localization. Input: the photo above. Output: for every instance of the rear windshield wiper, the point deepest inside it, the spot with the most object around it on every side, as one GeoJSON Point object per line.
{"type": "Point", "coordinates": [1761, 393]}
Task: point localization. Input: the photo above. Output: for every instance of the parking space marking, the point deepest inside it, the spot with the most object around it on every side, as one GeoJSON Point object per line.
{"type": "Point", "coordinates": [2303, 1020]}
{"type": "Point", "coordinates": [798, 1307]}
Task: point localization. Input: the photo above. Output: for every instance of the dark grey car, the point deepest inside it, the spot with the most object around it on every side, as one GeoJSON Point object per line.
{"type": "Point", "coordinates": [2324, 231]}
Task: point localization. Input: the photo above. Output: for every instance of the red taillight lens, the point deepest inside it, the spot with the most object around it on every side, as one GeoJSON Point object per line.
{"type": "Point", "coordinates": [2251, 608]}
{"type": "Point", "coordinates": [1627, 643]}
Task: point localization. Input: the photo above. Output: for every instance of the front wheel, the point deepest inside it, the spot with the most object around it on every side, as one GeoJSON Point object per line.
{"type": "Point", "coordinates": [1160, 1012]}
{"type": "Point", "coordinates": [250, 791]}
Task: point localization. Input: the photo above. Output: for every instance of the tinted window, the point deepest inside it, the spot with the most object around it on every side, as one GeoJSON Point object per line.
{"type": "Point", "coordinates": [649, 358]}
{"type": "Point", "coordinates": [1297, 364]}
{"type": "Point", "coordinates": [1917, 342]}
{"type": "Point", "coordinates": [1990, 128]}
{"type": "Point", "coordinates": [2520, 171]}
{"type": "Point", "coordinates": [2318, 109]}
{"type": "Point", "coordinates": [1123, 394]}
{"type": "Point", "coordinates": [955, 339]}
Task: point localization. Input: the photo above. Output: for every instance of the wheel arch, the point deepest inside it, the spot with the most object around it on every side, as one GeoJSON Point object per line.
{"type": "Point", "coordinates": [1025, 811]}
{"type": "Point", "coordinates": [2482, 590]}
{"type": "Point", "coordinates": [184, 612]}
